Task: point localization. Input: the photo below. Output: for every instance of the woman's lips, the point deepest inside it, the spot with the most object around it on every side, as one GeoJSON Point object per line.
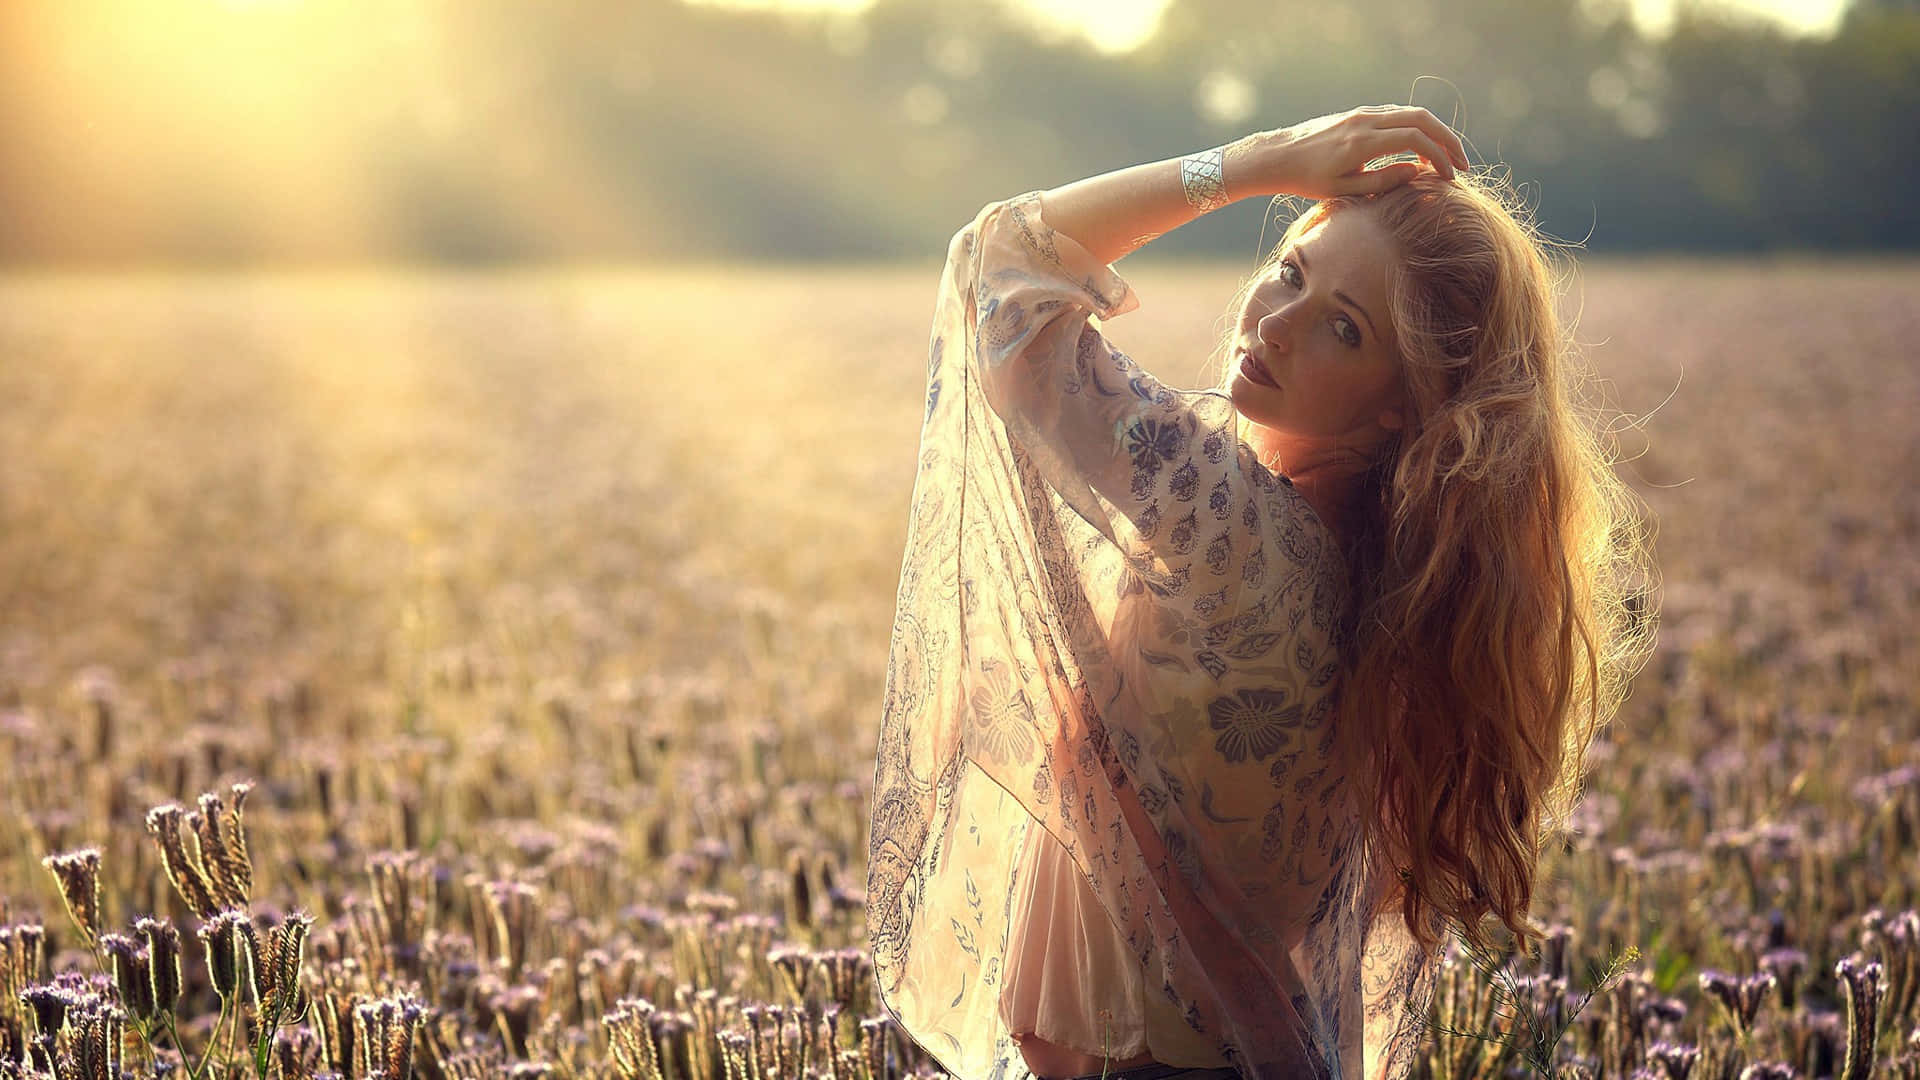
{"type": "Point", "coordinates": [1254, 372]}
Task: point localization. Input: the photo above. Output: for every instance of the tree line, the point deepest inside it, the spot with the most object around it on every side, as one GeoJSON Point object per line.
{"type": "Point", "coordinates": [610, 129]}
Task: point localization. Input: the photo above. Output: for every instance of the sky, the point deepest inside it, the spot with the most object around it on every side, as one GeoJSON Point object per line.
{"type": "Point", "coordinates": [1120, 25]}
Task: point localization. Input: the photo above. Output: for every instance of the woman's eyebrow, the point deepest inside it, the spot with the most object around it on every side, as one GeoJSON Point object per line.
{"type": "Point", "coordinates": [1338, 295]}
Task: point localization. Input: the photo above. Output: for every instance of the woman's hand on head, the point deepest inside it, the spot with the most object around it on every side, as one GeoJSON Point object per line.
{"type": "Point", "coordinates": [1327, 156]}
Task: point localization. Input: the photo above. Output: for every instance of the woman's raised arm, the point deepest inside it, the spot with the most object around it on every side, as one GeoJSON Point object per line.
{"type": "Point", "coordinates": [1114, 213]}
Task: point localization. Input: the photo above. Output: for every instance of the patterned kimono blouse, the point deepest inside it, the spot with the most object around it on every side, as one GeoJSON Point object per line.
{"type": "Point", "coordinates": [1116, 626]}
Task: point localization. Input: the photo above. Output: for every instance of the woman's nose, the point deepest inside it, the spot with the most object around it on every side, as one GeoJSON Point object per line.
{"type": "Point", "coordinates": [1273, 329]}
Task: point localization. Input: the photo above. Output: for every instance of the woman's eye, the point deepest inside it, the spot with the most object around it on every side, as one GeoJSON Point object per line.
{"type": "Point", "coordinates": [1348, 333]}
{"type": "Point", "coordinates": [1290, 274]}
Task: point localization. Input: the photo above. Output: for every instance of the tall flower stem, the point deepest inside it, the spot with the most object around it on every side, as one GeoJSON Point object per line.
{"type": "Point", "coordinates": [173, 1036]}
{"type": "Point", "coordinates": [212, 1042]}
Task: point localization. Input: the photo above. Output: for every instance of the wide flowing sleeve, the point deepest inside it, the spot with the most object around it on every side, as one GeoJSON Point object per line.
{"type": "Point", "coordinates": [1114, 624]}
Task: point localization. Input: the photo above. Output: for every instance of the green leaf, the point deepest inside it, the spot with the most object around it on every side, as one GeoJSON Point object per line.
{"type": "Point", "coordinates": [1670, 967]}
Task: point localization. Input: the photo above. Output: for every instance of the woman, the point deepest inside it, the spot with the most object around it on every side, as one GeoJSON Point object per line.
{"type": "Point", "coordinates": [1206, 711]}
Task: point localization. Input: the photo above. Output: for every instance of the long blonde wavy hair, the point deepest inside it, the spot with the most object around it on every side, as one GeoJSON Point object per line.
{"type": "Point", "coordinates": [1500, 569]}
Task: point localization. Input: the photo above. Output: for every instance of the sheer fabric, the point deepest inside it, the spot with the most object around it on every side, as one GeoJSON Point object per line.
{"type": "Point", "coordinates": [1063, 952]}
{"type": "Point", "coordinates": [1115, 625]}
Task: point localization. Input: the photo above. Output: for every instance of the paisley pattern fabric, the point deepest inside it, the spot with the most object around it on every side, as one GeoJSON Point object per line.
{"type": "Point", "coordinates": [1114, 624]}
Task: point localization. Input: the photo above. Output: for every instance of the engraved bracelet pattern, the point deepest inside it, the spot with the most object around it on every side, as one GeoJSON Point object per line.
{"type": "Point", "coordinates": [1202, 180]}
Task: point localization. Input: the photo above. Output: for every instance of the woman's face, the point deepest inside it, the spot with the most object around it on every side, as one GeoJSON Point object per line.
{"type": "Point", "coordinates": [1314, 351]}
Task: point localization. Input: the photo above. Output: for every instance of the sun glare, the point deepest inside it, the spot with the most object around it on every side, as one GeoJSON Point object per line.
{"type": "Point", "coordinates": [1120, 26]}
{"type": "Point", "coordinates": [843, 6]}
{"type": "Point", "coordinates": [1113, 26]}
{"type": "Point", "coordinates": [1798, 16]}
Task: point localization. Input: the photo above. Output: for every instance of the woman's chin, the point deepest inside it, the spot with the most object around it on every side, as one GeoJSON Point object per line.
{"type": "Point", "coordinates": [1253, 401]}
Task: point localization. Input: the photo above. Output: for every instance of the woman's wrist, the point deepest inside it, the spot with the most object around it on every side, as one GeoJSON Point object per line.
{"type": "Point", "coordinates": [1203, 179]}
{"type": "Point", "coordinates": [1252, 167]}
{"type": "Point", "coordinates": [1227, 173]}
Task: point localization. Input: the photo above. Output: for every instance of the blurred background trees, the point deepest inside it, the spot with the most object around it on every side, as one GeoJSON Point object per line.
{"type": "Point", "coordinates": [235, 131]}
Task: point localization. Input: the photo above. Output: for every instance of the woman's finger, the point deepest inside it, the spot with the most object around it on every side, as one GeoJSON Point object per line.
{"type": "Point", "coordinates": [1436, 128]}
{"type": "Point", "coordinates": [1396, 140]}
{"type": "Point", "coordinates": [1375, 181]}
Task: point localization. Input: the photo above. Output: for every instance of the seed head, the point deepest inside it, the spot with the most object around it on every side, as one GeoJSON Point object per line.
{"type": "Point", "coordinates": [20, 947]}
{"type": "Point", "coordinates": [800, 892]}
{"type": "Point", "coordinates": [796, 964]}
{"type": "Point", "coordinates": [163, 961]}
{"type": "Point", "coordinates": [223, 846]}
{"type": "Point", "coordinates": [29, 942]}
{"type": "Point", "coordinates": [1864, 985]}
{"type": "Point", "coordinates": [131, 978]}
{"type": "Point", "coordinates": [630, 1038]}
{"type": "Point", "coordinates": [1670, 1010]}
{"type": "Point", "coordinates": [715, 906]}
{"type": "Point", "coordinates": [227, 958]}
{"type": "Point", "coordinates": [8, 977]}
{"type": "Point", "coordinates": [184, 868]}
{"type": "Point", "coordinates": [736, 1051]}
{"type": "Point", "coordinates": [290, 942]}
{"type": "Point", "coordinates": [1740, 997]}
{"type": "Point", "coordinates": [511, 905]}
{"type": "Point", "coordinates": [78, 874]}
{"type": "Point", "coordinates": [828, 1034]}
{"type": "Point", "coordinates": [873, 1044]}
{"type": "Point", "coordinates": [97, 686]}
{"type": "Point", "coordinates": [1823, 1041]}
{"type": "Point", "coordinates": [93, 1049]}
{"type": "Point", "coordinates": [383, 1036]}
{"type": "Point", "coordinates": [298, 1052]}
{"type": "Point", "coordinates": [848, 971]}
{"type": "Point", "coordinates": [1786, 965]}
{"type": "Point", "coordinates": [252, 958]}
{"type": "Point", "coordinates": [1674, 1060]}
{"type": "Point", "coordinates": [49, 1006]}
{"type": "Point", "coordinates": [400, 1024]}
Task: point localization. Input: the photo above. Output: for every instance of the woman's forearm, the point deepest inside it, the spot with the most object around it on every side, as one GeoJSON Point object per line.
{"type": "Point", "coordinates": [1116, 212]}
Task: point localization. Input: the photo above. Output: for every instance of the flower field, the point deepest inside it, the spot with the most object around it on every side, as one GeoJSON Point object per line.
{"type": "Point", "coordinates": [475, 675]}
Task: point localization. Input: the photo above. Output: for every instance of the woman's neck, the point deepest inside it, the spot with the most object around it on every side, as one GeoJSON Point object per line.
{"type": "Point", "coordinates": [1327, 476]}
{"type": "Point", "coordinates": [1330, 497]}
